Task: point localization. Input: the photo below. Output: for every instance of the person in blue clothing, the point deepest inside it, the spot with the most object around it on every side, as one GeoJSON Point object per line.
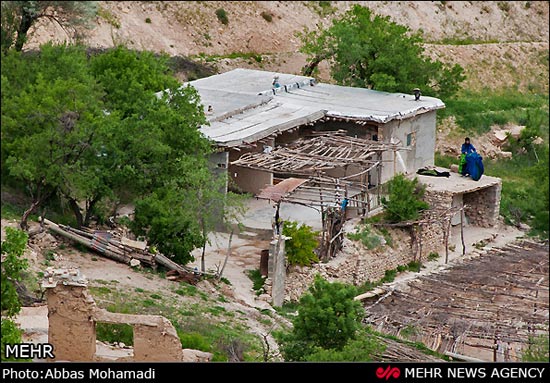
{"type": "Point", "coordinates": [467, 147]}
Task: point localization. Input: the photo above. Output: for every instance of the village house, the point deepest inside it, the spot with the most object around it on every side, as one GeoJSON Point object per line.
{"type": "Point", "coordinates": [289, 138]}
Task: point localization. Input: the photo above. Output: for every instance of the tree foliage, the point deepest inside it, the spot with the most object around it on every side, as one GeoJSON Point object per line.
{"type": "Point", "coordinates": [12, 250]}
{"type": "Point", "coordinates": [300, 248]}
{"type": "Point", "coordinates": [328, 326]}
{"type": "Point", "coordinates": [94, 130]}
{"type": "Point", "coordinates": [19, 16]}
{"type": "Point", "coordinates": [404, 200]}
{"type": "Point", "coordinates": [50, 120]}
{"type": "Point", "coordinates": [370, 51]}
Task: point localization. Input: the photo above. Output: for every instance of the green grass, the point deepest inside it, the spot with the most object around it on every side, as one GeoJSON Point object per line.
{"type": "Point", "coordinates": [476, 112]}
{"type": "Point", "coordinates": [234, 55]}
{"type": "Point", "coordinates": [257, 280]}
{"type": "Point", "coordinates": [462, 40]}
{"type": "Point", "coordinates": [205, 326]}
{"type": "Point", "coordinates": [110, 332]}
{"type": "Point", "coordinates": [389, 276]}
{"type": "Point", "coordinates": [433, 256]}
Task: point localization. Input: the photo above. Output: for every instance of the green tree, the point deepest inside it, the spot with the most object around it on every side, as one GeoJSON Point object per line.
{"type": "Point", "coordinates": [404, 200]}
{"type": "Point", "coordinates": [328, 317]}
{"type": "Point", "coordinates": [19, 16]}
{"type": "Point", "coordinates": [538, 350]}
{"type": "Point", "coordinates": [370, 51]}
{"type": "Point", "coordinates": [12, 250]}
{"type": "Point", "coordinates": [49, 119]}
{"type": "Point", "coordinates": [300, 248]}
{"type": "Point", "coordinates": [363, 348]}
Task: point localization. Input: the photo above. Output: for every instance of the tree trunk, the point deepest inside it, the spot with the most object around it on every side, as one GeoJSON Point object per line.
{"type": "Point", "coordinates": [89, 211]}
{"type": "Point", "coordinates": [203, 267]}
{"type": "Point", "coordinates": [26, 22]}
{"type": "Point", "coordinates": [23, 224]}
{"type": "Point", "coordinates": [227, 255]}
{"type": "Point", "coordinates": [310, 67]}
{"type": "Point", "coordinates": [77, 213]}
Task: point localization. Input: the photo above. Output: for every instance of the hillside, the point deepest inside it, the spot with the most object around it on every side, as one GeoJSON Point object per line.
{"type": "Point", "coordinates": [500, 44]}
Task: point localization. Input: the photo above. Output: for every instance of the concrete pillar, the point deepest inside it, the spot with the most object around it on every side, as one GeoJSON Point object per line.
{"type": "Point", "coordinates": [277, 269]}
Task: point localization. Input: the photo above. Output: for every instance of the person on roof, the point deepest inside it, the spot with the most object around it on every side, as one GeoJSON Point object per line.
{"type": "Point", "coordinates": [467, 147]}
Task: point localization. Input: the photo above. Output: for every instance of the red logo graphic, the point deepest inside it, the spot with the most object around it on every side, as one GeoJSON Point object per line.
{"type": "Point", "coordinates": [388, 373]}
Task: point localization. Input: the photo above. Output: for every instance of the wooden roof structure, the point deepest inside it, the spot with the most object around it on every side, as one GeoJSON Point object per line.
{"type": "Point", "coordinates": [313, 156]}
{"type": "Point", "coordinates": [307, 160]}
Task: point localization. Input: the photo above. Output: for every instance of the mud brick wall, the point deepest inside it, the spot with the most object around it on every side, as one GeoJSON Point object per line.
{"type": "Point", "coordinates": [71, 328]}
{"type": "Point", "coordinates": [157, 344]}
{"type": "Point", "coordinates": [483, 206]}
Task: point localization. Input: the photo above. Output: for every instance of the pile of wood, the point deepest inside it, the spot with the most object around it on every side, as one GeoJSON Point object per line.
{"type": "Point", "coordinates": [124, 250]}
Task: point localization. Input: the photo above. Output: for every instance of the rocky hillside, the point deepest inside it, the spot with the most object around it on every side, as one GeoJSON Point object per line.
{"type": "Point", "coordinates": [500, 44]}
{"type": "Point", "coordinates": [192, 27]}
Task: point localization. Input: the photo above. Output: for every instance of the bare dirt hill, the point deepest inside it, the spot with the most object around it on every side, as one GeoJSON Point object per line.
{"type": "Point", "coordinates": [192, 27]}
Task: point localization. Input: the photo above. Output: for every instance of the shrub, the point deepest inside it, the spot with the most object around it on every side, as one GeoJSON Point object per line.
{"type": "Point", "coordinates": [368, 239]}
{"type": "Point", "coordinates": [194, 341]}
{"type": "Point", "coordinates": [404, 200]}
{"type": "Point", "coordinates": [148, 20]}
{"type": "Point", "coordinates": [257, 280]}
{"type": "Point", "coordinates": [433, 256]}
{"type": "Point", "coordinates": [267, 16]}
{"type": "Point", "coordinates": [222, 16]}
{"type": "Point", "coordinates": [299, 249]}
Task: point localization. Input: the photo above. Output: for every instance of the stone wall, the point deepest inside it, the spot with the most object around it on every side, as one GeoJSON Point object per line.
{"type": "Point", "coordinates": [354, 264]}
{"type": "Point", "coordinates": [483, 206]}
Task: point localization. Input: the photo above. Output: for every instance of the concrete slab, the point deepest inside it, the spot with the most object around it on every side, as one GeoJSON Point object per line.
{"type": "Point", "coordinates": [246, 107]}
{"type": "Point", "coordinates": [456, 183]}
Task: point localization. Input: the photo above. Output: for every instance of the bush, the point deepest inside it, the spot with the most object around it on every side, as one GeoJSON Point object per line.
{"type": "Point", "coordinates": [148, 20]}
{"type": "Point", "coordinates": [328, 317]}
{"type": "Point", "coordinates": [194, 341]}
{"type": "Point", "coordinates": [368, 239]}
{"type": "Point", "coordinates": [299, 249]}
{"type": "Point", "coordinates": [404, 200]}
{"type": "Point", "coordinates": [222, 16]}
{"type": "Point", "coordinates": [257, 280]}
{"type": "Point", "coordinates": [267, 16]}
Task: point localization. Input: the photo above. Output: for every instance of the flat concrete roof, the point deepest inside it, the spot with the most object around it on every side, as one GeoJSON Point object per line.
{"type": "Point", "coordinates": [456, 184]}
{"type": "Point", "coordinates": [246, 107]}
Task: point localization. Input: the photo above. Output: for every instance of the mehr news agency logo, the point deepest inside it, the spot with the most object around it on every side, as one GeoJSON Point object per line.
{"type": "Point", "coordinates": [451, 371]}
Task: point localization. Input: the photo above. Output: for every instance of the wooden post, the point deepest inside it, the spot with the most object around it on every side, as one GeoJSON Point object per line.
{"type": "Point", "coordinates": [226, 256]}
{"type": "Point", "coordinates": [323, 220]}
{"type": "Point", "coordinates": [379, 180]}
{"type": "Point", "coordinates": [462, 230]}
{"type": "Point", "coordinates": [447, 233]}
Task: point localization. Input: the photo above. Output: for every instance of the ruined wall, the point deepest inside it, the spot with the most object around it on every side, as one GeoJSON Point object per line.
{"type": "Point", "coordinates": [73, 314]}
{"type": "Point", "coordinates": [71, 329]}
{"type": "Point", "coordinates": [157, 344]}
{"type": "Point", "coordinates": [483, 206]}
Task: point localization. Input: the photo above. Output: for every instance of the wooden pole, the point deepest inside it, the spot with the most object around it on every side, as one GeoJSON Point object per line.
{"type": "Point", "coordinates": [86, 242]}
{"type": "Point", "coordinates": [462, 230]}
{"type": "Point", "coordinates": [448, 232]}
{"type": "Point", "coordinates": [226, 256]}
